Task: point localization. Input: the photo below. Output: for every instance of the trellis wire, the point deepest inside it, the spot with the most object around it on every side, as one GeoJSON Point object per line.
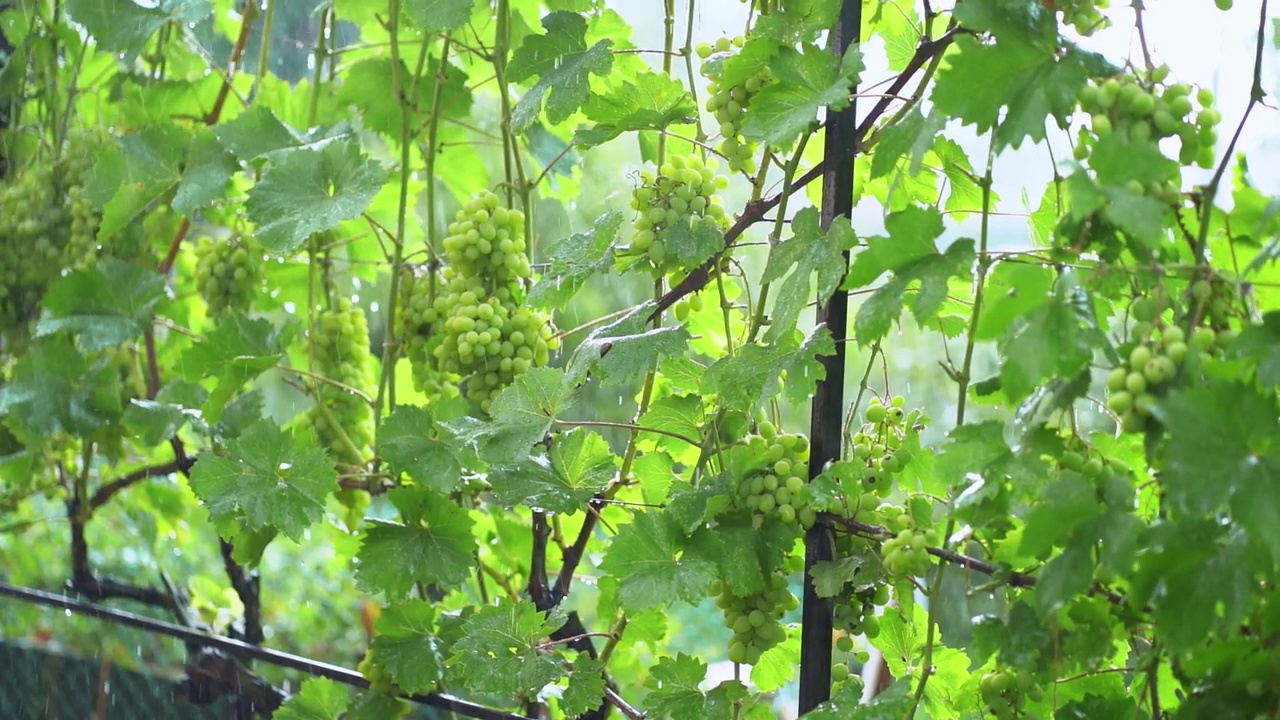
{"type": "Point", "coordinates": [236, 647]}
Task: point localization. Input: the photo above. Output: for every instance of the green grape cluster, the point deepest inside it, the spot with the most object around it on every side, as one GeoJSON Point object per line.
{"type": "Point", "coordinates": [417, 317]}
{"type": "Point", "coordinates": [46, 226]}
{"type": "Point", "coordinates": [776, 487]}
{"type": "Point", "coordinates": [1083, 15]}
{"type": "Point", "coordinates": [229, 273]}
{"type": "Point", "coordinates": [855, 612]}
{"type": "Point", "coordinates": [907, 554]}
{"type": "Point", "coordinates": [1005, 691]}
{"type": "Point", "coordinates": [729, 104]}
{"type": "Point", "coordinates": [487, 240]}
{"type": "Point", "coordinates": [339, 346]}
{"type": "Point", "coordinates": [1147, 111]}
{"type": "Point", "coordinates": [468, 324]}
{"type": "Point", "coordinates": [1212, 303]}
{"type": "Point", "coordinates": [756, 620]}
{"type": "Point", "coordinates": [686, 305]}
{"type": "Point", "coordinates": [841, 674]}
{"type": "Point", "coordinates": [379, 681]}
{"type": "Point", "coordinates": [879, 446]}
{"type": "Point", "coordinates": [1151, 367]}
{"type": "Point", "coordinates": [682, 189]}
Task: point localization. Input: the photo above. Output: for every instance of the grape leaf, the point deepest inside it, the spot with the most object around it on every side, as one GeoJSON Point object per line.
{"type": "Point", "coordinates": [433, 546]}
{"type": "Point", "coordinates": [625, 349]}
{"type": "Point", "coordinates": [151, 423]}
{"type": "Point", "coordinates": [584, 690]}
{"type": "Point", "coordinates": [368, 84]}
{"type": "Point", "coordinates": [258, 133]}
{"type": "Point", "coordinates": [574, 261]}
{"type": "Point", "coordinates": [1064, 504]}
{"type": "Point", "coordinates": [674, 688]}
{"type": "Point", "coordinates": [1138, 215]}
{"type": "Point", "coordinates": [911, 136]}
{"type": "Point", "coordinates": [1054, 339]}
{"type": "Point", "coordinates": [1019, 641]}
{"type": "Point", "coordinates": [912, 233]}
{"type": "Point", "coordinates": [648, 101]}
{"type": "Point", "coordinates": [1117, 160]}
{"type": "Point", "coordinates": [106, 304]}
{"type": "Point", "coordinates": [54, 389]}
{"type": "Point", "coordinates": [1223, 450]}
{"type": "Point", "coordinates": [777, 665]}
{"type": "Point", "coordinates": [522, 415]}
{"type": "Point", "coordinates": [374, 705]}
{"type": "Point", "coordinates": [407, 647]}
{"type": "Point", "coordinates": [309, 191]}
{"type": "Point", "coordinates": [1259, 343]}
{"type": "Point", "coordinates": [804, 83]}
{"type": "Point", "coordinates": [830, 577]}
{"type": "Point", "coordinates": [646, 557]}
{"type": "Point", "coordinates": [1065, 576]}
{"type": "Point", "coordinates": [745, 554]}
{"type": "Point", "coordinates": [319, 699]}
{"type": "Point", "coordinates": [405, 441]}
{"type": "Point", "coordinates": [1033, 81]}
{"type": "Point", "coordinates": [1010, 20]}
{"type": "Point", "coordinates": [234, 352]}
{"type": "Point", "coordinates": [810, 251]}
{"type": "Point", "coordinates": [750, 377]}
{"type": "Point", "coordinates": [125, 26]}
{"type": "Point", "coordinates": [898, 25]}
{"type": "Point", "coordinates": [933, 272]}
{"type": "Point", "coordinates": [693, 244]}
{"type": "Point", "coordinates": [891, 704]}
{"type": "Point", "coordinates": [1196, 585]}
{"type": "Point", "coordinates": [1096, 707]}
{"type": "Point", "coordinates": [439, 15]}
{"type": "Point", "coordinates": [964, 195]}
{"type": "Point", "coordinates": [1013, 290]}
{"type": "Point", "coordinates": [498, 652]}
{"type": "Point", "coordinates": [682, 414]}
{"type": "Point", "coordinates": [580, 465]}
{"type": "Point", "coordinates": [266, 480]}
{"type": "Point", "coordinates": [156, 162]}
{"type": "Point", "coordinates": [563, 63]}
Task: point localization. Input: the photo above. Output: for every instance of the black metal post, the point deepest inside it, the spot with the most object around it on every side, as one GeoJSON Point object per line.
{"type": "Point", "coordinates": [828, 402]}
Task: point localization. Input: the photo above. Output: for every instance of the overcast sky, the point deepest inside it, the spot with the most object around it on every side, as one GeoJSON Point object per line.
{"type": "Point", "coordinates": [1201, 44]}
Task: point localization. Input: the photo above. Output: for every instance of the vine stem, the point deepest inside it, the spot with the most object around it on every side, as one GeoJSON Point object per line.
{"type": "Point", "coordinates": [687, 51]}
{"type": "Point", "coordinates": [979, 282]}
{"type": "Point", "coordinates": [788, 178]}
{"type": "Point", "coordinates": [1256, 95]}
{"type": "Point", "coordinates": [626, 426]}
{"type": "Point", "coordinates": [390, 349]}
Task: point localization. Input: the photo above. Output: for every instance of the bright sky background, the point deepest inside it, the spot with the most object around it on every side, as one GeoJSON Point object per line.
{"type": "Point", "coordinates": [1201, 44]}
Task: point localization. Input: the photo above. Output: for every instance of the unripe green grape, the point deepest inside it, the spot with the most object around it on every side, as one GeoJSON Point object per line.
{"type": "Point", "coordinates": [340, 350]}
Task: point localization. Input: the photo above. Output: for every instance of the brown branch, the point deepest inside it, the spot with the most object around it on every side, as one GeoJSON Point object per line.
{"type": "Point", "coordinates": [84, 582]}
{"type": "Point", "coordinates": [246, 24]}
{"type": "Point", "coordinates": [755, 210]}
{"type": "Point", "coordinates": [247, 585]}
{"type": "Point", "coordinates": [573, 633]}
{"type": "Point", "coordinates": [623, 706]}
{"type": "Point", "coordinates": [108, 491]}
{"type": "Point", "coordinates": [1014, 579]}
{"type": "Point", "coordinates": [573, 556]}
